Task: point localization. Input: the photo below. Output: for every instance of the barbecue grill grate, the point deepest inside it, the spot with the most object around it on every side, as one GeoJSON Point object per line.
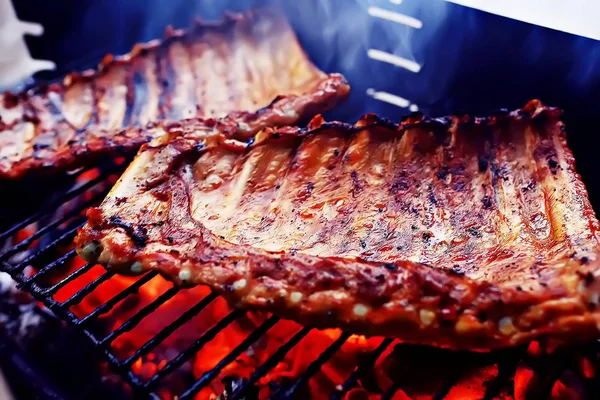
{"type": "Point", "coordinates": [59, 229]}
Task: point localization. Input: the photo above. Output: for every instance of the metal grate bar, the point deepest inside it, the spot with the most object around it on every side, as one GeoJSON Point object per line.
{"type": "Point", "coordinates": [89, 288]}
{"type": "Point", "coordinates": [208, 376]}
{"type": "Point", "coordinates": [361, 369]}
{"type": "Point", "coordinates": [313, 368]}
{"type": "Point", "coordinates": [548, 369]}
{"type": "Point", "coordinates": [193, 349]}
{"type": "Point", "coordinates": [169, 329]}
{"type": "Point", "coordinates": [72, 276]}
{"type": "Point", "coordinates": [42, 231]}
{"type": "Point", "coordinates": [68, 316]}
{"type": "Point", "coordinates": [448, 384]}
{"type": "Point", "coordinates": [549, 375]}
{"type": "Point", "coordinates": [506, 371]}
{"type": "Point", "coordinates": [62, 200]}
{"type": "Point", "coordinates": [59, 309]}
{"type": "Point", "coordinates": [52, 304]}
{"type": "Point", "coordinates": [52, 246]}
{"type": "Point", "coordinates": [389, 394]}
{"type": "Point", "coordinates": [108, 305]}
{"type": "Point", "coordinates": [140, 315]}
{"type": "Point", "coordinates": [47, 268]}
{"type": "Point", "coordinates": [270, 363]}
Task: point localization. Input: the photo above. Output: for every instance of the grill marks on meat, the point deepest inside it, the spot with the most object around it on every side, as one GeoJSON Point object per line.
{"type": "Point", "coordinates": [463, 232]}
{"type": "Point", "coordinates": [241, 63]}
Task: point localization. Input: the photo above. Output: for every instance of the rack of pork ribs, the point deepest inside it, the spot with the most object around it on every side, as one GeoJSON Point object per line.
{"type": "Point", "coordinates": [461, 232]}
{"type": "Point", "coordinates": [248, 66]}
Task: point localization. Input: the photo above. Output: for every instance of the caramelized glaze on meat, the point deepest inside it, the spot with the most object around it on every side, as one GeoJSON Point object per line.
{"type": "Point", "coordinates": [463, 232]}
{"type": "Point", "coordinates": [239, 64]}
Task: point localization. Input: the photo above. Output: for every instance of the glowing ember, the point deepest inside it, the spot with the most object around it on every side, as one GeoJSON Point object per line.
{"type": "Point", "coordinates": [472, 385]}
{"type": "Point", "coordinates": [587, 368]}
{"type": "Point", "coordinates": [524, 377]}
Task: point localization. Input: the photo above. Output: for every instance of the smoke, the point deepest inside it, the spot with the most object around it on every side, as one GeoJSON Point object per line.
{"type": "Point", "coordinates": [436, 56]}
{"type": "Point", "coordinates": [454, 59]}
{"type": "Point", "coordinates": [346, 36]}
{"type": "Point", "coordinates": [337, 35]}
{"type": "Point", "coordinates": [585, 73]}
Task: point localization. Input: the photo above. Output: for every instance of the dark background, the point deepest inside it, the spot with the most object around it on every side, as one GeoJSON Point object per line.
{"type": "Point", "coordinates": [471, 61]}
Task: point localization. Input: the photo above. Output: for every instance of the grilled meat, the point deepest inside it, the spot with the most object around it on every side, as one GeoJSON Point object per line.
{"type": "Point", "coordinates": [462, 232]}
{"type": "Point", "coordinates": [241, 63]}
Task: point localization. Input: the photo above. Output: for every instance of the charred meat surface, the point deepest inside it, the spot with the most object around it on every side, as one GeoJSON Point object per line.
{"type": "Point", "coordinates": [243, 63]}
{"type": "Point", "coordinates": [463, 232]}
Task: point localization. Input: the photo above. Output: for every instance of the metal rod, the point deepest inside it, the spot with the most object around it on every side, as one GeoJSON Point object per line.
{"type": "Point", "coordinates": [140, 315]}
{"type": "Point", "coordinates": [52, 246]}
{"type": "Point", "coordinates": [313, 368]}
{"type": "Point", "coordinates": [42, 231]}
{"type": "Point", "coordinates": [208, 376]}
{"type": "Point", "coordinates": [71, 277]}
{"type": "Point", "coordinates": [47, 268]}
{"type": "Point", "coordinates": [108, 305]}
{"type": "Point", "coordinates": [447, 385]}
{"type": "Point", "coordinates": [57, 308]}
{"type": "Point", "coordinates": [169, 329]}
{"type": "Point", "coordinates": [506, 371]}
{"type": "Point", "coordinates": [87, 289]}
{"type": "Point", "coordinates": [270, 363]}
{"type": "Point", "coordinates": [548, 372]}
{"type": "Point", "coordinates": [65, 314]}
{"type": "Point", "coordinates": [62, 200]}
{"type": "Point", "coordinates": [389, 394]}
{"type": "Point", "coordinates": [361, 369]}
{"type": "Point", "coordinates": [193, 349]}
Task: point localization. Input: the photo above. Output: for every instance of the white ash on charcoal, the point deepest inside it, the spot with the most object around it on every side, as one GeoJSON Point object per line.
{"type": "Point", "coordinates": [231, 384]}
{"type": "Point", "coordinates": [6, 283]}
{"type": "Point", "coordinates": [18, 311]}
{"type": "Point", "coordinates": [33, 339]}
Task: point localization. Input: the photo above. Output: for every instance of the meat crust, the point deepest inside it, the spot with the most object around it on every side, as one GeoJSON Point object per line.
{"type": "Point", "coordinates": [241, 64]}
{"type": "Point", "coordinates": [462, 232]}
